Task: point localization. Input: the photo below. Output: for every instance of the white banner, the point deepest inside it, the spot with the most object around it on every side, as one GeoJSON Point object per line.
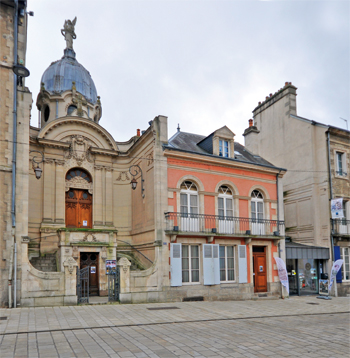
{"type": "Point", "coordinates": [337, 208]}
{"type": "Point", "coordinates": [282, 273]}
{"type": "Point", "coordinates": [335, 268]}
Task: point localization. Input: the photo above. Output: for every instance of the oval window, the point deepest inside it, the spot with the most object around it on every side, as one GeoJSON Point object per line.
{"type": "Point", "coordinates": [46, 113]}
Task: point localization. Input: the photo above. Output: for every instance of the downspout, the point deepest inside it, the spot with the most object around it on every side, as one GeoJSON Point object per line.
{"type": "Point", "coordinates": [14, 154]}
{"type": "Point", "coordinates": [278, 214]}
{"type": "Point", "coordinates": [330, 188]}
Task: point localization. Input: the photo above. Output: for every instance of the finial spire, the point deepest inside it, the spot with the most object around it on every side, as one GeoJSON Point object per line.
{"type": "Point", "coordinates": [178, 127]}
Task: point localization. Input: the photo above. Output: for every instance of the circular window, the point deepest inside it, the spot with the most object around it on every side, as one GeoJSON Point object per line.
{"type": "Point", "coordinates": [83, 257]}
{"type": "Point", "coordinates": [85, 196]}
{"type": "Point", "coordinates": [71, 194]}
{"type": "Point", "coordinates": [92, 257]}
{"type": "Point", "coordinates": [46, 113]}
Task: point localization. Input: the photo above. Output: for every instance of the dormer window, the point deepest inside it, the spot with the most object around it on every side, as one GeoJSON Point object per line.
{"type": "Point", "coordinates": [224, 149]}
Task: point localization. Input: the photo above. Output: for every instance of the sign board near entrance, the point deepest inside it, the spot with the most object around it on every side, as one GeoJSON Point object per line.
{"type": "Point", "coordinates": [111, 267]}
{"type": "Point", "coordinates": [282, 273]}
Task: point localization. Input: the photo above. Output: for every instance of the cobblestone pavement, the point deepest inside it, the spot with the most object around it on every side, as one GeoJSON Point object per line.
{"type": "Point", "coordinates": [295, 327]}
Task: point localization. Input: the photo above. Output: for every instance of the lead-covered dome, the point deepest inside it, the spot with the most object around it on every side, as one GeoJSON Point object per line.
{"type": "Point", "coordinates": [60, 75]}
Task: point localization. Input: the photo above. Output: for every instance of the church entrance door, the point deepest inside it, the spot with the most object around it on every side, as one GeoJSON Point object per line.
{"type": "Point", "coordinates": [78, 209]}
{"type": "Point", "coordinates": [90, 259]}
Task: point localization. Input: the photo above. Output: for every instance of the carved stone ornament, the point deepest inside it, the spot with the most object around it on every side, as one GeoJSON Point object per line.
{"type": "Point", "coordinates": [79, 150]}
{"type": "Point", "coordinates": [71, 263]}
{"type": "Point", "coordinates": [125, 263]}
{"type": "Point", "coordinates": [123, 176]}
{"type": "Point", "coordinates": [79, 183]}
{"type": "Point", "coordinates": [90, 238]}
{"type": "Point", "coordinates": [104, 253]}
{"type": "Point", "coordinates": [75, 252]}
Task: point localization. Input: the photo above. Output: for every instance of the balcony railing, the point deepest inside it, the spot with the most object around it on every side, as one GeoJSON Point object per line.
{"type": "Point", "coordinates": [341, 226]}
{"type": "Point", "coordinates": [215, 224]}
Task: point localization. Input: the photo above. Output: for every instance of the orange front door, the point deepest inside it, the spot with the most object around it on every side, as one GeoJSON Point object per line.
{"type": "Point", "coordinates": [259, 268]}
{"type": "Point", "coordinates": [78, 209]}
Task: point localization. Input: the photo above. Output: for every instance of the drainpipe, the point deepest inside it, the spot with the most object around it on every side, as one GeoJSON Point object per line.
{"type": "Point", "coordinates": [278, 214]}
{"type": "Point", "coordinates": [14, 154]}
{"type": "Point", "coordinates": [331, 197]}
{"type": "Point", "coordinates": [330, 187]}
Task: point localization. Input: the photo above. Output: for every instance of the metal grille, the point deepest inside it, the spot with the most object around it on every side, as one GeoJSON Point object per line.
{"type": "Point", "coordinates": [113, 285]}
{"type": "Point", "coordinates": [83, 285]}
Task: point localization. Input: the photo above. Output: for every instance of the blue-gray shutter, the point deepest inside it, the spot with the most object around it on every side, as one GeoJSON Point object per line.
{"type": "Point", "coordinates": [175, 265]}
{"type": "Point", "coordinates": [242, 264]}
{"type": "Point", "coordinates": [211, 264]}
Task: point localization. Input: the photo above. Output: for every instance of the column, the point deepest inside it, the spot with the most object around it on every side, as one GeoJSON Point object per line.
{"type": "Point", "coordinates": [97, 196]}
{"type": "Point", "coordinates": [48, 212]}
{"type": "Point", "coordinates": [60, 193]}
{"type": "Point", "coordinates": [109, 196]}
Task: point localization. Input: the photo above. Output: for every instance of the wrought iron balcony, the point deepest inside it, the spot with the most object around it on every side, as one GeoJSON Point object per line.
{"type": "Point", "coordinates": [227, 225]}
{"type": "Point", "coordinates": [341, 226]}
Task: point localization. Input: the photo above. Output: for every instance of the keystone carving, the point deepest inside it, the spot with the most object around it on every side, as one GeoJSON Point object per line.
{"type": "Point", "coordinates": [90, 238]}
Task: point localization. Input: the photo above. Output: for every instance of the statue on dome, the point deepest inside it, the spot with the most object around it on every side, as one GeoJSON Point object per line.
{"type": "Point", "coordinates": [68, 32]}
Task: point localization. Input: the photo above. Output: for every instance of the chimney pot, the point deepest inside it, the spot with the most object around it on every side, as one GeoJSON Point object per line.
{"type": "Point", "coordinates": [267, 97]}
{"type": "Point", "coordinates": [138, 133]}
{"type": "Point", "coordinates": [259, 103]}
{"type": "Point", "coordinates": [286, 84]}
{"type": "Point", "coordinates": [250, 122]}
{"type": "Point", "coordinates": [270, 94]}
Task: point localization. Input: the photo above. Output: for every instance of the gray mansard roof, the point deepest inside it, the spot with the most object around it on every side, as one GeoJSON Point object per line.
{"type": "Point", "coordinates": [188, 142]}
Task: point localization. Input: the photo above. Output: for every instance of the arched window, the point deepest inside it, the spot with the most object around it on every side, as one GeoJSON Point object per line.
{"type": "Point", "coordinates": [225, 210]}
{"type": "Point", "coordinates": [46, 113]}
{"type": "Point", "coordinates": [78, 199]}
{"type": "Point", "coordinates": [257, 212]}
{"type": "Point", "coordinates": [71, 109]}
{"type": "Point", "coordinates": [189, 206]}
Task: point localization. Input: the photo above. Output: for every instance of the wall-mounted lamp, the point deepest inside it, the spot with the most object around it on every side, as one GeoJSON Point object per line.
{"type": "Point", "coordinates": [37, 170]}
{"type": "Point", "coordinates": [135, 170]}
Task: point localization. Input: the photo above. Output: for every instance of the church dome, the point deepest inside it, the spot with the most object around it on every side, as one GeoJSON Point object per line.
{"type": "Point", "coordinates": [59, 76]}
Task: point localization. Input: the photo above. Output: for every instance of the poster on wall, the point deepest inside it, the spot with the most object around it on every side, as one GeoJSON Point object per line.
{"type": "Point", "coordinates": [335, 268]}
{"type": "Point", "coordinates": [282, 273]}
{"type": "Point", "coordinates": [337, 208]}
{"type": "Point", "coordinates": [111, 267]}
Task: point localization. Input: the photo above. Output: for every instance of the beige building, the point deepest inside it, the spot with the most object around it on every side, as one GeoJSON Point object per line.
{"type": "Point", "coordinates": [192, 217]}
{"type": "Point", "coordinates": [301, 146]}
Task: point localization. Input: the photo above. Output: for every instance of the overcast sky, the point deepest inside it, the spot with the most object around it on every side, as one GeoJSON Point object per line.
{"type": "Point", "coordinates": [203, 64]}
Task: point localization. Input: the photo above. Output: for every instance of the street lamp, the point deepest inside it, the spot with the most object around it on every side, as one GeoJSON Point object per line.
{"type": "Point", "coordinates": [135, 170]}
{"type": "Point", "coordinates": [37, 170]}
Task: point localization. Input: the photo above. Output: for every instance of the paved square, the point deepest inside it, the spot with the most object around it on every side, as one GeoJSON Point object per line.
{"type": "Point", "coordinates": [297, 327]}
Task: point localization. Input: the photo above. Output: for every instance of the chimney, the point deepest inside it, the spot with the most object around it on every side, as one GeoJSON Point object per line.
{"type": "Point", "coordinates": [250, 123]}
{"type": "Point", "coordinates": [138, 133]}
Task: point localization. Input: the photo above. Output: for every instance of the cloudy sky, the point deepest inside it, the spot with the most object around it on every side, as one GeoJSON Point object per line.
{"type": "Point", "coordinates": [203, 64]}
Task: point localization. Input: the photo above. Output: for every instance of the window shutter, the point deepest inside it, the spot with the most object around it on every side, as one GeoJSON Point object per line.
{"type": "Point", "coordinates": [175, 265]}
{"type": "Point", "coordinates": [211, 264]}
{"type": "Point", "coordinates": [216, 262]}
{"type": "Point", "coordinates": [242, 264]}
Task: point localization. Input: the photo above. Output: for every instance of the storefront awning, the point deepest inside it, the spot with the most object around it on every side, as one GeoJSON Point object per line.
{"type": "Point", "coordinates": [299, 251]}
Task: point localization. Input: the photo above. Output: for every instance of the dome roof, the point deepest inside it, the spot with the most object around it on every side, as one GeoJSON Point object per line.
{"type": "Point", "coordinates": [59, 76]}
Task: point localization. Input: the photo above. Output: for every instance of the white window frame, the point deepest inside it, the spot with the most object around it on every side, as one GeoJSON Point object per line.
{"type": "Point", "coordinates": [226, 226]}
{"type": "Point", "coordinates": [224, 144]}
{"type": "Point", "coordinates": [343, 172]}
{"type": "Point", "coordinates": [346, 265]}
{"type": "Point", "coordinates": [190, 282]}
{"type": "Point", "coordinates": [226, 265]}
{"type": "Point", "coordinates": [258, 227]}
{"type": "Point", "coordinates": [189, 221]}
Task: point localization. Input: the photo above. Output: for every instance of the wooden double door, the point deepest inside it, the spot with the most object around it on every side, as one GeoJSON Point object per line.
{"type": "Point", "coordinates": [90, 259]}
{"type": "Point", "coordinates": [78, 209]}
{"type": "Point", "coordinates": [259, 269]}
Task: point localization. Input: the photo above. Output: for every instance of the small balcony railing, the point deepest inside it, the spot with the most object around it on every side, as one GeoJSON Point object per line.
{"type": "Point", "coordinates": [215, 224]}
{"type": "Point", "coordinates": [341, 226]}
